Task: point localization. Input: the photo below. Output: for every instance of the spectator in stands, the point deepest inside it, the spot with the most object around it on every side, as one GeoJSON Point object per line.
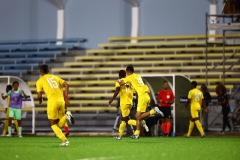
{"type": "Point", "coordinates": [53, 87]}
{"type": "Point", "coordinates": [166, 99]}
{"type": "Point", "coordinates": [16, 97]}
{"type": "Point", "coordinates": [196, 100]}
{"type": "Point", "coordinates": [207, 98]}
{"type": "Point", "coordinates": [8, 88]}
{"type": "Point", "coordinates": [224, 102]}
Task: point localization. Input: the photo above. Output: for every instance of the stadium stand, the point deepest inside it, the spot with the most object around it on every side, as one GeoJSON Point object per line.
{"type": "Point", "coordinates": [92, 75]}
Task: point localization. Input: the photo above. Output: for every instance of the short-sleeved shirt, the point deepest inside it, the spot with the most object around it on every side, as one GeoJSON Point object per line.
{"type": "Point", "coordinates": [196, 97]}
{"type": "Point", "coordinates": [51, 85]}
{"type": "Point", "coordinates": [136, 81]}
{"type": "Point", "coordinates": [165, 95]}
{"type": "Point", "coordinates": [125, 93]}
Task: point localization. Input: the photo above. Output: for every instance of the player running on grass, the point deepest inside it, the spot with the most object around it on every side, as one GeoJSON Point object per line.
{"type": "Point", "coordinates": [53, 87]}
{"type": "Point", "coordinates": [126, 99]}
{"type": "Point", "coordinates": [5, 130]}
{"type": "Point", "coordinates": [196, 100]}
{"type": "Point", "coordinates": [143, 98]}
{"type": "Point", "coordinates": [16, 97]}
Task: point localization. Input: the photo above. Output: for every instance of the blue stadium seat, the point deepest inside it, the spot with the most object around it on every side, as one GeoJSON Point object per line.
{"type": "Point", "coordinates": [13, 71]}
{"type": "Point", "coordinates": [3, 66]}
{"type": "Point", "coordinates": [26, 54]}
{"type": "Point", "coordinates": [32, 59]}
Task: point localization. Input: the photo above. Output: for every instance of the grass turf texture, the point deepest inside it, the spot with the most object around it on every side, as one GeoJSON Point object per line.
{"type": "Point", "coordinates": [106, 148]}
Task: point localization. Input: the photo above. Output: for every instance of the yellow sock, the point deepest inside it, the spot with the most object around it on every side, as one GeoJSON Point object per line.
{"type": "Point", "coordinates": [58, 132]}
{"type": "Point", "coordinates": [122, 128]}
{"type": "Point", "coordinates": [62, 121]}
{"type": "Point", "coordinates": [5, 127]}
{"type": "Point", "coordinates": [191, 125]}
{"type": "Point", "coordinates": [16, 124]}
{"type": "Point", "coordinates": [137, 132]}
{"type": "Point", "coordinates": [152, 111]}
{"type": "Point", "coordinates": [66, 125]}
{"type": "Point", "coordinates": [199, 127]}
{"type": "Point", "coordinates": [132, 122]}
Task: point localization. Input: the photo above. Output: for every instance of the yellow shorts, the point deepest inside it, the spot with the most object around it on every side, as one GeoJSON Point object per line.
{"type": "Point", "coordinates": [55, 109]}
{"type": "Point", "coordinates": [125, 109]}
{"type": "Point", "coordinates": [143, 102]}
{"type": "Point", "coordinates": [195, 112]}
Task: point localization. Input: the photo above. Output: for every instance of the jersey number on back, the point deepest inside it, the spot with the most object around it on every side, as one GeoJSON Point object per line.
{"type": "Point", "coordinates": [140, 81]}
{"type": "Point", "coordinates": [52, 83]}
{"type": "Point", "coordinates": [197, 97]}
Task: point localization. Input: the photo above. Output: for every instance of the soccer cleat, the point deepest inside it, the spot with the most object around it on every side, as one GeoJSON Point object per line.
{"type": "Point", "coordinates": [118, 138]}
{"type": "Point", "coordinates": [203, 136]}
{"type": "Point", "coordinates": [186, 136]}
{"type": "Point", "coordinates": [70, 117]}
{"type": "Point", "coordinates": [8, 135]}
{"type": "Point", "coordinates": [67, 134]}
{"type": "Point", "coordinates": [222, 132]}
{"type": "Point", "coordinates": [134, 136]}
{"type": "Point", "coordinates": [65, 143]}
{"type": "Point", "coordinates": [156, 109]}
{"type": "Point", "coordinates": [20, 136]}
{"type": "Point", "coordinates": [3, 135]}
{"type": "Point", "coordinates": [145, 125]}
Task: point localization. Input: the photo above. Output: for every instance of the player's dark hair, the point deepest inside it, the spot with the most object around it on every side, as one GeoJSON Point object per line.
{"type": "Point", "coordinates": [130, 68]}
{"type": "Point", "coordinates": [9, 87]}
{"type": "Point", "coordinates": [122, 74]}
{"type": "Point", "coordinates": [15, 82]}
{"type": "Point", "coordinates": [44, 68]}
{"type": "Point", "coordinates": [194, 84]}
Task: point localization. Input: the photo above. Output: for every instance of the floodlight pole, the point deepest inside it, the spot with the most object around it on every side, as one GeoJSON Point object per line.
{"type": "Point", "coordinates": [135, 18]}
{"type": "Point", "coordinates": [60, 4]}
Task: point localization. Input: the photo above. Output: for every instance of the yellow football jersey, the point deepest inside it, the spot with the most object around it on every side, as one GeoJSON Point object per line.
{"type": "Point", "coordinates": [196, 97]}
{"type": "Point", "coordinates": [51, 85]}
{"type": "Point", "coordinates": [125, 93]}
{"type": "Point", "coordinates": [136, 81]}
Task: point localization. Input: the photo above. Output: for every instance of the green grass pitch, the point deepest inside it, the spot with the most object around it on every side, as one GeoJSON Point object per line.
{"type": "Point", "coordinates": [106, 148]}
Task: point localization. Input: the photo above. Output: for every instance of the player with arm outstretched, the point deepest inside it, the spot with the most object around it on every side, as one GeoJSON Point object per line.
{"type": "Point", "coordinates": [5, 130]}
{"type": "Point", "coordinates": [16, 98]}
{"type": "Point", "coordinates": [53, 87]}
{"type": "Point", "coordinates": [196, 100]}
{"type": "Point", "coordinates": [143, 98]}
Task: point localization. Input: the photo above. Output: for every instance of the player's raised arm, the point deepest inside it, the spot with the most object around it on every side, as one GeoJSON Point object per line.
{"type": "Point", "coordinates": [65, 93]}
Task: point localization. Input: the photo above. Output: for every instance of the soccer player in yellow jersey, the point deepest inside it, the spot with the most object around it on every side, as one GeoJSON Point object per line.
{"type": "Point", "coordinates": [143, 98]}
{"type": "Point", "coordinates": [53, 87]}
{"type": "Point", "coordinates": [196, 100]}
{"type": "Point", "coordinates": [126, 99]}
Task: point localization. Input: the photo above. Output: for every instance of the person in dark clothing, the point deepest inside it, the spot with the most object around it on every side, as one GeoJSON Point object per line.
{"type": "Point", "coordinates": [207, 98]}
{"type": "Point", "coordinates": [224, 102]}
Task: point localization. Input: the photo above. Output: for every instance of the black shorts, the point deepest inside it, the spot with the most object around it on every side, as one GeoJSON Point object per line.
{"type": "Point", "coordinates": [166, 111]}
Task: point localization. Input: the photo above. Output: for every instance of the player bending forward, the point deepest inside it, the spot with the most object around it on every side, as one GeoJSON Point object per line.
{"type": "Point", "coordinates": [53, 87]}
{"type": "Point", "coordinates": [143, 98]}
